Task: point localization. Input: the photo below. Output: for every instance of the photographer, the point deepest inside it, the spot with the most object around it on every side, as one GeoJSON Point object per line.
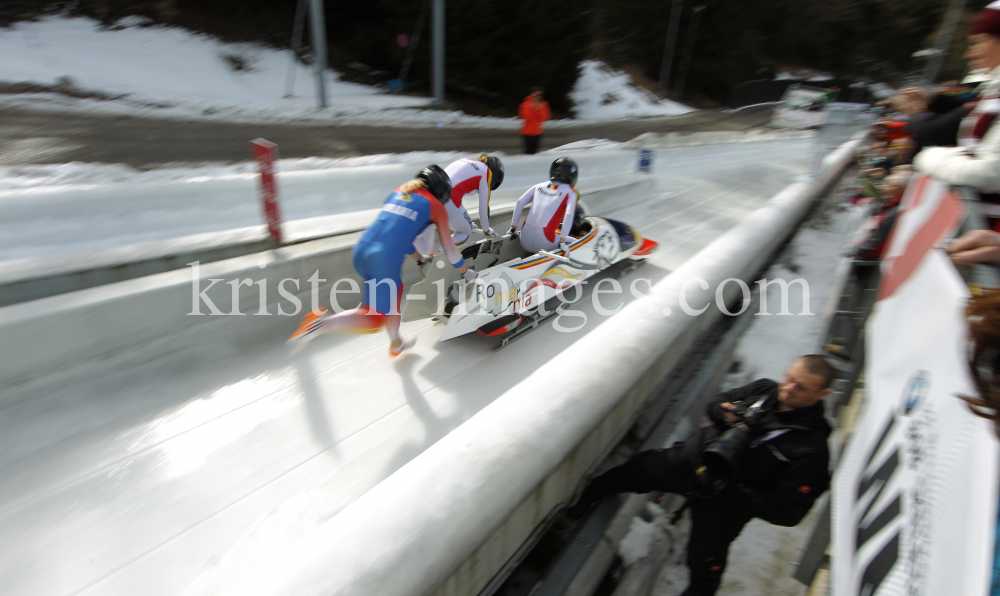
{"type": "Point", "coordinates": [765, 455]}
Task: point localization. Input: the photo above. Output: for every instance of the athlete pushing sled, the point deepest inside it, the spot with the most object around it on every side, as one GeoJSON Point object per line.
{"type": "Point", "coordinates": [379, 254]}
{"type": "Point", "coordinates": [468, 176]}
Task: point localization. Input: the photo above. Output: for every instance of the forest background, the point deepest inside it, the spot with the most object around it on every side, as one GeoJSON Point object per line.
{"type": "Point", "coordinates": [497, 50]}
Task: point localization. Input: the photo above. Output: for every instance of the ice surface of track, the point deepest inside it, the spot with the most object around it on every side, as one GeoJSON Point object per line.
{"type": "Point", "coordinates": [133, 477]}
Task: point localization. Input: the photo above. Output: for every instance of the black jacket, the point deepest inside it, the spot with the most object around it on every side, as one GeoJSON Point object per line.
{"type": "Point", "coordinates": [779, 478]}
{"type": "Point", "coordinates": [938, 126]}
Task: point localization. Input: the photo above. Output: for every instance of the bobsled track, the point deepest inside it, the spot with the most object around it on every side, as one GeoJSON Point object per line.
{"type": "Point", "coordinates": [147, 451]}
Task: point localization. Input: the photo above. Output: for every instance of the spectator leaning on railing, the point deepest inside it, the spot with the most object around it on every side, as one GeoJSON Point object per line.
{"type": "Point", "coordinates": [933, 119]}
{"type": "Point", "coordinates": [983, 315]}
{"type": "Point", "coordinates": [976, 161]}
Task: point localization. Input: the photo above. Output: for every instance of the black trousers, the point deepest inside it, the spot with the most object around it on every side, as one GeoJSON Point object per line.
{"type": "Point", "coordinates": [714, 523]}
{"type": "Point", "coordinates": [531, 143]}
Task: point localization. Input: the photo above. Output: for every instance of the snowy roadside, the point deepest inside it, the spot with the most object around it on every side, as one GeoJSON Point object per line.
{"type": "Point", "coordinates": [136, 68]}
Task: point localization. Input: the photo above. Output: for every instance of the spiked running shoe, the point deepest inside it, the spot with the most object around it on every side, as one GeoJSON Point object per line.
{"type": "Point", "coordinates": [406, 345]}
{"type": "Point", "coordinates": [310, 323]}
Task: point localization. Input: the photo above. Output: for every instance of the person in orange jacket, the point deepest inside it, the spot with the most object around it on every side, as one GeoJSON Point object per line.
{"type": "Point", "coordinates": [534, 110]}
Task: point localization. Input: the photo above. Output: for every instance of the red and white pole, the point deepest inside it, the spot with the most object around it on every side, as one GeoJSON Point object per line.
{"type": "Point", "coordinates": [266, 153]}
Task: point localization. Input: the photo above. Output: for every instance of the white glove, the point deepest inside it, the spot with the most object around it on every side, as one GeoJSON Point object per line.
{"type": "Point", "coordinates": [564, 246]}
{"type": "Point", "coordinates": [490, 232]}
{"type": "Point", "coordinates": [469, 275]}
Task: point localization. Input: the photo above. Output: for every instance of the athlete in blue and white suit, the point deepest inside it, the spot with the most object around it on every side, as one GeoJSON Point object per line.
{"type": "Point", "coordinates": [379, 254]}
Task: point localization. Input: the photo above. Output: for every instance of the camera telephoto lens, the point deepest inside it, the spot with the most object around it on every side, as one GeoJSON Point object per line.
{"type": "Point", "coordinates": [722, 457]}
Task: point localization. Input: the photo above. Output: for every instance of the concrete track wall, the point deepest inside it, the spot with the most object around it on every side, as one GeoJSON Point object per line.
{"type": "Point", "coordinates": [446, 522]}
{"type": "Point", "coordinates": [30, 279]}
{"type": "Point", "coordinates": [52, 333]}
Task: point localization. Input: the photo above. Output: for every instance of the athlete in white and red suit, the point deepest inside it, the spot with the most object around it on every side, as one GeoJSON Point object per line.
{"type": "Point", "coordinates": [481, 175]}
{"type": "Point", "coordinates": [553, 206]}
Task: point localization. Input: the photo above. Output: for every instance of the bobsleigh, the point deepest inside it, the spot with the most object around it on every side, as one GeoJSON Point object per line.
{"type": "Point", "coordinates": [512, 284]}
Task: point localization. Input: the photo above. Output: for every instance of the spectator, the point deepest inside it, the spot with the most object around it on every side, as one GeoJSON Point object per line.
{"type": "Point", "coordinates": [934, 118]}
{"type": "Point", "coordinates": [782, 466]}
{"type": "Point", "coordinates": [900, 152]}
{"type": "Point", "coordinates": [984, 334]}
{"type": "Point", "coordinates": [894, 129]}
{"type": "Point", "coordinates": [976, 246]}
{"type": "Point", "coordinates": [983, 314]}
{"type": "Point", "coordinates": [976, 162]}
{"type": "Point", "coordinates": [877, 163]}
{"type": "Point", "coordinates": [869, 242]}
{"type": "Point", "coordinates": [534, 111]}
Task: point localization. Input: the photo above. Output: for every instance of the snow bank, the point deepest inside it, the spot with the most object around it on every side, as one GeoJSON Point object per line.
{"type": "Point", "coordinates": [137, 69]}
{"type": "Point", "coordinates": [654, 140]}
{"type": "Point", "coordinates": [603, 93]}
{"type": "Point", "coordinates": [636, 544]}
{"type": "Point", "coordinates": [172, 71]}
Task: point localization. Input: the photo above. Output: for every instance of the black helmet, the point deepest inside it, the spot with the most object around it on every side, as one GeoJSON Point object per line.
{"type": "Point", "coordinates": [437, 181]}
{"type": "Point", "coordinates": [496, 170]}
{"type": "Point", "coordinates": [564, 170]}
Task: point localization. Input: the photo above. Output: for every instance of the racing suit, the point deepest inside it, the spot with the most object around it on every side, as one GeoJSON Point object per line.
{"type": "Point", "coordinates": [553, 205]}
{"type": "Point", "coordinates": [780, 476]}
{"type": "Point", "coordinates": [378, 256]}
{"type": "Point", "coordinates": [467, 176]}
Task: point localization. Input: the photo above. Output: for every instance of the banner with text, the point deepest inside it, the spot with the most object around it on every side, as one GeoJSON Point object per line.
{"type": "Point", "coordinates": [915, 495]}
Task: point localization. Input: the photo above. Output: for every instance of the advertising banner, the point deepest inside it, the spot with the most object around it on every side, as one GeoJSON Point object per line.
{"type": "Point", "coordinates": [915, 495]}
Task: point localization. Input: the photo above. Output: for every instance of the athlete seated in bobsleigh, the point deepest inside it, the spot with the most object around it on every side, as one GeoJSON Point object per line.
{"type": "Point", "coordinates": [553, 210]}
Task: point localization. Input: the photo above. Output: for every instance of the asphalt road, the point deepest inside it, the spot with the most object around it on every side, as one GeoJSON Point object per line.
{"type": "Point", "coordinates": [37, 137]}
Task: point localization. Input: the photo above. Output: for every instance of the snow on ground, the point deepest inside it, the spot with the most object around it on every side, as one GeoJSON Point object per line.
{"type": "Point", "coordinates": [604, 93]}
{"type": "Point", "coordinates": [75, 173]}
{"type": "Point", "coordinates": [138, 69]}
{"type": "Point", "coordinates": [773, 341]}
{"type": "Point", "coordinates": [637, 542]}
{"type": "Point", "coordinates": [587, 144]}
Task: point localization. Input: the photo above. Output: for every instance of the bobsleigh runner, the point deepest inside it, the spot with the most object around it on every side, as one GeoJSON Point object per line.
{"type": "Point", "coordinates": [504, 301]}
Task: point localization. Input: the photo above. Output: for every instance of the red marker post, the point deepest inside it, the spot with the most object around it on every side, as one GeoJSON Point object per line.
{"type": "Point", "coordinates": [266, 153]}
